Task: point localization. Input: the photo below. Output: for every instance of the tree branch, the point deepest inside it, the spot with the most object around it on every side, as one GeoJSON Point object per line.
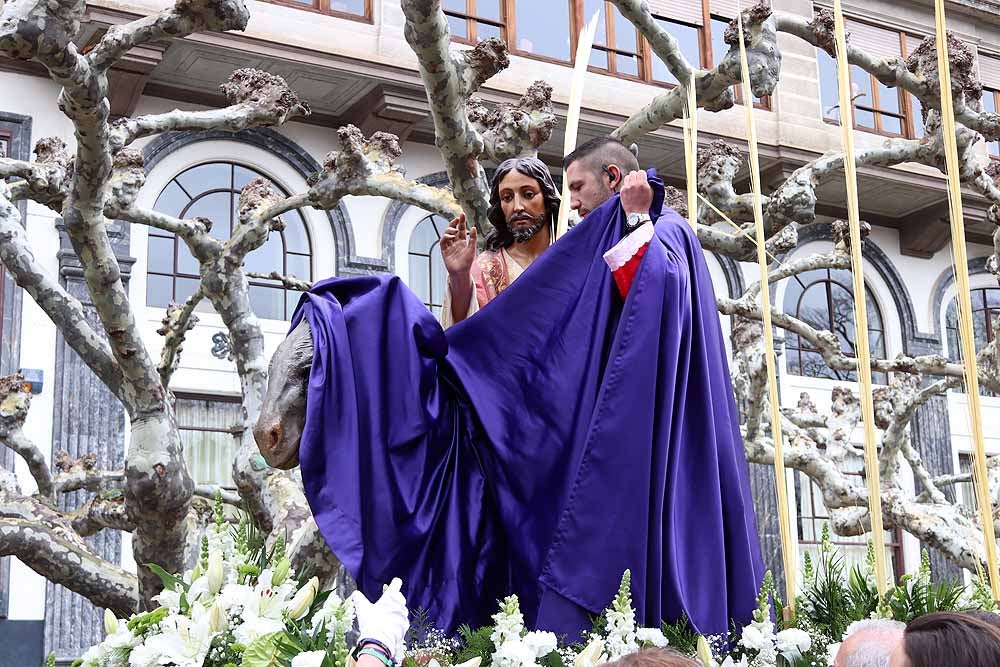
{"type": "Point", "coordinates": [177, 322]}
{"type": "Point", "coordinates": [450, 78]}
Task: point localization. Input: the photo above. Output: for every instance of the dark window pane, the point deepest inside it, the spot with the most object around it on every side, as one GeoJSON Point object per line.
{"type": "Point", "coordinates": [891, 124]}
{"type": "Point", "coordinates": [589, 7]}
{"type": "Point", "coordinates": [459, 27]}
{"type": "Point", "coordinates": [627, 65]}
{"type": "Point", "coordinates": [172, 200]}
{"type": "Point", "coordinates": [888, 98]}
{"type": "Point", "coordinates": [267, 302]}
{"type": "Point", "coordinates": [424, 236]}
{"type": "Point", "coordinates": [488, 9]}
{"type": "Point", "coordinates": [185, 288]}
{"type": "Point", "coordinates": [918, 121]}
{"type": "Point", "coordinates": [864, 118]}
{"type": "Point", "coordinates": [213, 176]}
{"type": "Point", "coordinates": [828, 85]}
{"type": "Point", "coordinates": [159, 290]}
{"type": "Point", "coordinates": [687, 37]}
{"type": "Point", "coordinates": [420, 277]}
{"type": "Point", "coordinates": [355, 7]}
{"type": "Point", "coordinates": [291, 303]}
{"type": "Point", "coordinates": [215, 207]}
{"type": "Point", "coordinates": [438, 276]}
{"type": "Point", "coordinates": [625, 37]}
{"type": "Point", "coordinates": [161, 254]}
{"type": "Point", "coordinates": [295, 233]}
{"type": "Point", "coordinates": [266, 258]}
{"type": "Point", "coordinates": [186, 263]}
{"type": "Point", "coordinates": [485, 31]}
{"type": "Point", "coordinates": [814, 308]}
{"type": "Point", "coordinates": [543, 28]}
{"type": "Point", "coordinates": [298, 266]}
{"type": "Point", "coordinates": [599, 59]}
{"type": "Point", "coordinates": [242, 176]}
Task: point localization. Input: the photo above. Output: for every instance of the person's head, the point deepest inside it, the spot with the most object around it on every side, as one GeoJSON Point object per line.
{"type": "Point", "coordinates": [654, 657]}
{"type": "Point", "coordinates": [524, 201]}
{"type": "Point", "coordinates": [595, 171]}
{"type": "Point", "coordinates": [948, 638]}
{"type": "Point", "coordinates": [869, 643]}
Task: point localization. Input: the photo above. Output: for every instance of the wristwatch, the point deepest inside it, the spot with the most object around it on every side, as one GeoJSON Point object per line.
{"type": "Point", "coordinates": [634, 220]}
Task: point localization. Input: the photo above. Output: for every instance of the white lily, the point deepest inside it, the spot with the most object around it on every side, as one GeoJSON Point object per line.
{"type": "Point", "coordinates": [590, 656]}
{"type": "Point", "coordinates": [309, 659]}
{"type": "Point", "coordinates": [183, 642]}
{"type": "Point", "coordinates": [110, 622]}
{"type": "Point", "coordinates": [216, 572]}
{"type": "Point", "coordinates": [300, 604]}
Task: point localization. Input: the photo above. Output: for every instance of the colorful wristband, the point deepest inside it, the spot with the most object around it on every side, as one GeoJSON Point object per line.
{"type": "Point", "coordinates": [374, 652]}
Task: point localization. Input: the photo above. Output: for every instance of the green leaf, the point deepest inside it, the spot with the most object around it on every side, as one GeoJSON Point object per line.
{"type": "Point", "coordinates": [170, 582]}
{"type": "Point", "coordinates": [265, 651]}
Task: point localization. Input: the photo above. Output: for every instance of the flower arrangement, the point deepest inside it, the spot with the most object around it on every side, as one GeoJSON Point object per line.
{"type": "Point", "coordinates": [242, 605]}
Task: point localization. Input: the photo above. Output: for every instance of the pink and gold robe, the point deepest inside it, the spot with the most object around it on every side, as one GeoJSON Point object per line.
{"type": "Point", "coordinates": [492, 272]}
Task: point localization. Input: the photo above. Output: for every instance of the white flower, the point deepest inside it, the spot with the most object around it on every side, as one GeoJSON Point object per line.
{"type": "Point", "coordinates": [336, 613]}
{"type": "Point", "coordinates": [171, 599]}
{"type": "Point", "coordinates": [758, 636]}
{"type": "Point", "coordinates": [110, 622]}
{"type": "Point", "coordinates": [300, 604]}
{"type": "Point", "coordinates": [793, 640]}
{"type": "Point", "coordinates": [183, 642]}
{"type": "Point", "coordinates": [514, 654]}
{"type": "Point", "coordinates": [540, 643]}
{"type": "Point", "coordinates": [216, 572]}
{"type": "Point", "coordinates": [309, 659]}
{"type": "Point", "coordinates": [591, 655]}
{"type": "Point", "coordinates": [652, 636]}
{"type": "Point", "coordinates": [729, 662]}
{"type": "Point", "coordinates": [144, 656]}
{"type": "Point", "coordinates": [831, 653]}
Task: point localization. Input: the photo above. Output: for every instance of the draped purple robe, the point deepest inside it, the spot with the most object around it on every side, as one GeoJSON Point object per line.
{"type": "Point", "coordinates": [540, 447]}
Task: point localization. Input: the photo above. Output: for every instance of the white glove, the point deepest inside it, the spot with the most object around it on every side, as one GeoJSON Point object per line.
{"type": "Point", "coordinates": [385, 621]}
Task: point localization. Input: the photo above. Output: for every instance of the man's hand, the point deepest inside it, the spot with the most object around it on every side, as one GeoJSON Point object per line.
{"type": "Point", "coordinates": [458, 246]}
{"type": "Point", "coordinates": [385, 621]}
{"type": "Point", "coordinates": [636, 193]}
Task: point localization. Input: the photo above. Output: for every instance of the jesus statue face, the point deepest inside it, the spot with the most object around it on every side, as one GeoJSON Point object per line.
{"type": "Point", "coordinates": [523, 205]}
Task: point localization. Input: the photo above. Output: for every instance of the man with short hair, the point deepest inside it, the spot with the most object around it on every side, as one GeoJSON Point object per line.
{"type": "Point", "coordinates": [869, 643]}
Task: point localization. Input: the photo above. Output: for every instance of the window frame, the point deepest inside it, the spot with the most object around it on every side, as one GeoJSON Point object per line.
{"type": "Point", "coordinates": [472, 21]}
{"type": "Point", "coordinates": [644, 53]}
{"type": "Point", "coordinates": [8, 137]}
{"type": "Point", "coordinates": [996, 105]}
{"type": "Point", "coordinates": [906, 113]}
{"type": "Point", "coordinates": [177, 242]}
{"type": "Point", "coordinates": [896, 545]}
{"type": "Point", "coordinates": [429, 258]}
{"type": "Point", "coordinates": [323, 7]}
{"type": "Point", "coordinates": [215, 398]}
{"type": "Point", "coordinates": [802, 347]}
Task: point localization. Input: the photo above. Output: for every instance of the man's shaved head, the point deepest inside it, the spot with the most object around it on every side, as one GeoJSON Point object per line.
{"type": "Point", "coordinates": [602, 152]}
{"type": "Point", "coordinates": [595, 171]}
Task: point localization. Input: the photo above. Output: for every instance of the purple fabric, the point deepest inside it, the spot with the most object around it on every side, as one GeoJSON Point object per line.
{"type": "Point", "coordinates": [540, 447]}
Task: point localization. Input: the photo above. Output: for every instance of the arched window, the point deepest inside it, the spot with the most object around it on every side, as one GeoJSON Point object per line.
{"type": "Point", "coordinates": [823, 300]}
{"type": "Point", "coordinates": [427, 273]}
{"type": "Point", "coordinates": [212, 190]}
{"type": "Point", "coordinates": [985, 308]}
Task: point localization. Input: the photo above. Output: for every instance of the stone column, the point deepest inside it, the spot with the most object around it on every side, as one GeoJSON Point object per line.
{"type": "Point", "coordinates": [19, 129]}
{"type": "Point", "coordinates": [930, 432]}
{"type": "Point", "coordinates": [88, 419]}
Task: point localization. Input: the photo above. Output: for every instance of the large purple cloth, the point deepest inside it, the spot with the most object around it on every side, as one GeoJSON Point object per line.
{"type": "Point", "coordinates": [541, 447]}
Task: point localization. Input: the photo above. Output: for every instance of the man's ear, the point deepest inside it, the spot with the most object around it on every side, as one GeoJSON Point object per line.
{"type": "Point", "coordinates": [614, 177]}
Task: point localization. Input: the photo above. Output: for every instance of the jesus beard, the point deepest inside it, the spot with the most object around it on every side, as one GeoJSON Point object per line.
{"type": "Point", "coordinates": [526, 233]}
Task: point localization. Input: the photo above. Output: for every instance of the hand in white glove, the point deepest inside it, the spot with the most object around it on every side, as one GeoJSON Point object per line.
{"type": "Point", "coordinates": [385, 621]}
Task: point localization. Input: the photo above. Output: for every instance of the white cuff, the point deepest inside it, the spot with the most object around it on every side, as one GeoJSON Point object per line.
{"type": "Point", "coordinates": [625, 249]}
